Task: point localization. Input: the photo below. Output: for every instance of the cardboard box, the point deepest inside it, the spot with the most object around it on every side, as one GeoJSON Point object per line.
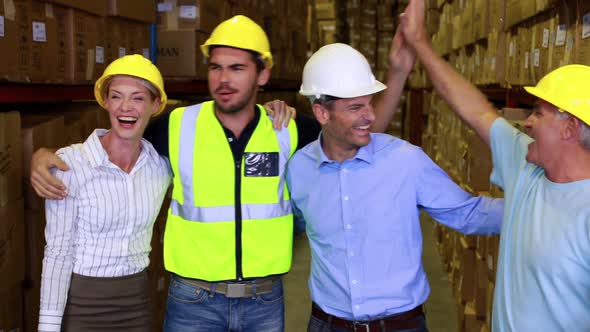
{"type": "Point", "coordinates": [497, 15]}
{"type": "Point", "coordinates": [38, 131]}
{"type": "Point", "coordinates": [86, 46]}
{"type": "Point", "coordinates": [96, 7]}
{"type": "Point", "coordinates": [512, 46]}
{"type": "Point", "coordinates": [564, 36]}
{"type": "Point", "coordinates": [541, 34]}
{"type": "Point", "coordinates": [22, 14]}
{"type": "Point", "coordinates": [525, 54]}
{"type": "Point", "coordinates": [583, 35]}
{"type": "Point", "coordinates": [481, 19]}
{"type": "Point", "coordinates": [515, 114]}
{"type": "Point", "coordinates": [472, 322]}
{"type": "Point", "coordinates": [519, 10]}
{"type": "Point", "coordinates": [115, 38]}
{"type": "Point", "coordinates": [12, 249]}
{"type": "Point", "coordinates": [179, 53]}
{"type": "Point", "coordinates": [466, 31]}
{"type": "Point", "coordinates": [528, 8]}
{"type": "Point", "coordinates": [489, 304]}
{"type": "Point", "coordinates": [513, 13]}
{"type": "Point", "coordinates": [386, 19]}
{"type": "Point", "coordinates": [202, 15]}
{"type": "Point", "coordinates": [9, 38]}
{"type": "Point", "coordinates": [11, 162]}
{"type": "Point", "coordinates": [468, 272]}
{"type": "Point", "coordinates": [45, 38]}
{"type": "Point", "coordinates": [481, 286]}
{"type": "Point", "coordinates": [11, 309]}
{"type": "Point", "coordinates": [493, 245]}
{"type": "Point", "coordinates": [457, 41]}
{"type": "Point", "coordinates": [80, 123]}
{"type": "Point", "coordinates": [542, 5]}
{"type": "Point", "coordinates": [138, 10]}
{"type": "Point", "coordinates": [325, 9]}
{"type": "Point", "coordinates": [479, 163]}
{"type": "Point", "coordinates": [138, 38]}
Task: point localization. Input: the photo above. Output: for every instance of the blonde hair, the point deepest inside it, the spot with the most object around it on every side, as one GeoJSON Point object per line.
{"type": "Point", "coordinates": [154, 92]}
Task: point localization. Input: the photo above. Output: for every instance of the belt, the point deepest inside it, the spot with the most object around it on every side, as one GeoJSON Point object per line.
{"type": "Point", "coordinates": [236, 290]}
{"type": "Point", "coordinates": [404, 320]}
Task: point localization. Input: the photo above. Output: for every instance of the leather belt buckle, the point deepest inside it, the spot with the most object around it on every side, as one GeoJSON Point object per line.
{"type": "Point", "coordinates": [236, 290]}
{"type": "Point", "coordinates": [361, 327]}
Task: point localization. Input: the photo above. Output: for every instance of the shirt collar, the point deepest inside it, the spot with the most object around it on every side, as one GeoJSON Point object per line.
{"type": "Point", "coordinates": [97, 155]}
{"type": "Point", "coordinates": [365, 153]}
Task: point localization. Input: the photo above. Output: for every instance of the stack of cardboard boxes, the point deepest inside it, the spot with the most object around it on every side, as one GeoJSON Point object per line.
{"type": "Point", "coordinates": [470, 260]}
{"type": "Point", "coordinates": [12, 252]}
{"type": "Point", "coordinates": [183, 25]}
{"type": "Point", "coordinates": [70, 41]}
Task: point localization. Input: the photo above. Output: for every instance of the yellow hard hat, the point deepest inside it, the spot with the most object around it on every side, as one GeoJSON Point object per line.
{"type": "Point", "coordinates": [240, 32]}
{"type": "Point", "coordinates": [132, 65]}
{"type": "Point", "coordinates": [566, 88]}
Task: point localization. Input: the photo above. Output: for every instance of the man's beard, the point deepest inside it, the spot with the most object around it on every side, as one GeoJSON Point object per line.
{"type": "Point", "coordinates": [240, 105]}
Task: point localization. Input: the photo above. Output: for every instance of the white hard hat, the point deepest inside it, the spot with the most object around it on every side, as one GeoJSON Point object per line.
{"type": "Point", "coordinates": [338, 70]}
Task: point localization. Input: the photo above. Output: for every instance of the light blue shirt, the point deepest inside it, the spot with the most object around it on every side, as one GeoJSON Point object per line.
{"type": "Point", "coordinates": [543, 278]}
{"type": "Point", "coordinates": [361, 218]}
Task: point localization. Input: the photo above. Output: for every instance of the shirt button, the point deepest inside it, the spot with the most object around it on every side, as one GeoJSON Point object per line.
{"type": "Point", "coordinates": [357, 306]}
{"type": "Point", "coordinates": [354, 282]}
{"type": "Point", "coordinates": [345, 198]}
{"type": "Point", "coordinates": [345, 170]}
{"type": "Point", "coordinates": [229, 139]}
{"type": "Point", "coordinates": [348, 227]}
{"type": "Point", "coordinates": [351, 254]}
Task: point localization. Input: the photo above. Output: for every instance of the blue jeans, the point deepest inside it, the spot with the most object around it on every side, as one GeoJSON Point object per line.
{"type": "Point", "coordinates": [317, 325]}
{"type": "Point", "coordinates": [190, 308]}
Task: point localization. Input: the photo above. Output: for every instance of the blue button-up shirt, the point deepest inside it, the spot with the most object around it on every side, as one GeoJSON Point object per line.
{"type": "Point", "coordinates": [362, 221]}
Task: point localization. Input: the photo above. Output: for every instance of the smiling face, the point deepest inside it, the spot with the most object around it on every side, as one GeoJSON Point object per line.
{"type": "Point", "coordinates": [545, 126]}
{"type": "Point", "coordinates": [345, 125]}
{"type": "Point", "coordinates": [234, 79]}
{"type": "Point", "coordinates": [130, 105]}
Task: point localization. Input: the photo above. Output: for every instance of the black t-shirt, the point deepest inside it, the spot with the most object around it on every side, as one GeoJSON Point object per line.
{"type": "Point", "coordinates": [308, 130]}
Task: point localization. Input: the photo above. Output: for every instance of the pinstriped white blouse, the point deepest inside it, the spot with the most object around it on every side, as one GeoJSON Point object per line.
{"type": "Point", "coordinates": [103, 227]}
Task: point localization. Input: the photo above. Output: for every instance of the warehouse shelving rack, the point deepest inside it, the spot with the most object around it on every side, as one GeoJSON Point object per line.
{"type": "Point", "coordinates": [179, 89]}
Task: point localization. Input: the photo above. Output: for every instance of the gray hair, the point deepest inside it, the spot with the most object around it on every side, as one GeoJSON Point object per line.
{"type": "Point", "coordinates": [324, 100]}
{"type": "Point", "coordinates": [584, 137]}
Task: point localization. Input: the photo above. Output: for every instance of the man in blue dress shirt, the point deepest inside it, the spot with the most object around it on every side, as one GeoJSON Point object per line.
{"type": "Point", "coordinates": [359, 196]}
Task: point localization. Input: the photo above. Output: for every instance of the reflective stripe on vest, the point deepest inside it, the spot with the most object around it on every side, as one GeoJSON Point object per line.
{"type": "Point", "coordinates": [188, 211]}
{"type": "Point", "coordinates": [225, 213]}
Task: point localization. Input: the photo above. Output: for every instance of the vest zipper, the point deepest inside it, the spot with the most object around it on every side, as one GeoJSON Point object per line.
{"type": "Point", "coordinates": [238, 221]}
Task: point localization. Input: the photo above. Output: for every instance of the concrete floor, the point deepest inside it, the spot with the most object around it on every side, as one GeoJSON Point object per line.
{"type": "Point", "coordinates": [441, 313]}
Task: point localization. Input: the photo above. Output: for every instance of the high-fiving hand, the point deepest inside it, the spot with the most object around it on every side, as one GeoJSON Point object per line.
{"type": "Point", "coordinates": [401, 56]}
{"type": "Point", "coordinates": [412, 23]}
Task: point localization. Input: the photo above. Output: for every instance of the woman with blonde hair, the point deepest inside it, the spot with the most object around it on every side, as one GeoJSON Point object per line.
{"type": "Point", "coordinates": [98, 237]}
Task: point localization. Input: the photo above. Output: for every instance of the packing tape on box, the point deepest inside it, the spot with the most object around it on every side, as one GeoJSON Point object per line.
{"type": "Point", "coordinates": [9, 10]}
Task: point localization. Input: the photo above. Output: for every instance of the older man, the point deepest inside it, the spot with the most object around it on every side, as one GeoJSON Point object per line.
{"type": "Point", "coordinates": [542, 282]}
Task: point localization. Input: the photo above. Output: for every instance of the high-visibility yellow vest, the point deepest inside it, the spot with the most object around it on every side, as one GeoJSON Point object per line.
{"type": "Point", "coordinates": [211, 233]}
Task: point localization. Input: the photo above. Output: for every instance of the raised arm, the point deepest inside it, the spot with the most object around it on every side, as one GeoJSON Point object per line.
{"type": "Point", "coordinates": [401, 61]}
{"type": "Point", "coordinates": [463, 97]}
